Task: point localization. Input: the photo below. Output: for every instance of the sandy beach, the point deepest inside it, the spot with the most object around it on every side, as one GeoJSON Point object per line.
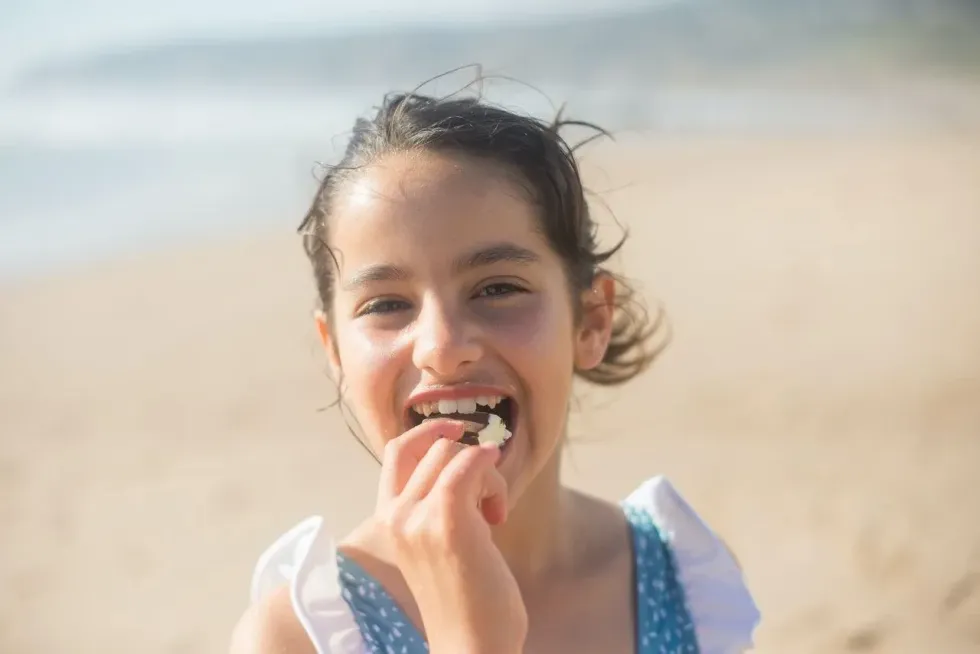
{"type": "Point", "coordinates": [163, 416]}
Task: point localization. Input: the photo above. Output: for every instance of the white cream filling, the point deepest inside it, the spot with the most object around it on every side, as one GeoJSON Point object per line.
{"type": "Point", "coordinates": [494, 432]}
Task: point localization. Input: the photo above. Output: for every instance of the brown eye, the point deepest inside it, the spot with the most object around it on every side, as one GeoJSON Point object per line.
{"type": "Point", "coordinates": [500, 289]}
{"type": "Point", "coordinates": [383, 306]}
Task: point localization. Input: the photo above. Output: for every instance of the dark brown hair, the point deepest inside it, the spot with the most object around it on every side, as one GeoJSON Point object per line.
{"type": "Point", "coordinates": [536, 155]}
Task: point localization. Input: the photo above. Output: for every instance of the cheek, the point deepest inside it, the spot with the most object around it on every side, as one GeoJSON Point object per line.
{"type": "Point", "coordinates": [369, 368]}
{"type": "Point", "coordinates": [538, 332]}
{"type": "Point", "coordinates": [537, 344]}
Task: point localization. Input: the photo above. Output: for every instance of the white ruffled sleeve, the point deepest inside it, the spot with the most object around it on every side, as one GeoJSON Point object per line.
{"type": "Point", "coordinates": [305, 558]}
{"type": "Point", "coordinates": [720, 604]}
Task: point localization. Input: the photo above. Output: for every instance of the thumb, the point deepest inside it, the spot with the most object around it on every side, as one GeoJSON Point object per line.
{"type": "Point", "coordinates": [494, 510]}
{"type": "Point", "coordinates": [493, 505]}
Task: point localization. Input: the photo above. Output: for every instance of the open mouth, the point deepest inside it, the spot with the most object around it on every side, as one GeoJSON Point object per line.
{"type": "Point", "coordinates": [487, 419]}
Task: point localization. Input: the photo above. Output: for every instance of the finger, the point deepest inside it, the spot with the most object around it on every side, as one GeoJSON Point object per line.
{"type": "Point", "coordinates": [427, 471]}
{"type": "Point", "coordinates": [494, 506]}
{"type": "Point", "coordinates": [403, 453]}
{"type": "Point", "coordinates": [471, 477]}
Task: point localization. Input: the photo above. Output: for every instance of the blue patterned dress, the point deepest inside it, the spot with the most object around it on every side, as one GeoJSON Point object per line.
{"type": "Point", "coordinates": [690, 595]}
{"type": "Point", "coordinates": [663, 623]}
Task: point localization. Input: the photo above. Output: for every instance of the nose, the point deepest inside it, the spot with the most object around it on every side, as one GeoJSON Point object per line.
{"type": "Point", "coordinates": [444, 341]}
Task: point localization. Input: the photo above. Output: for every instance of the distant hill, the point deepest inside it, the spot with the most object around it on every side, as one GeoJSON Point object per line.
{"type": "Point", "coordinates": [695, 39]}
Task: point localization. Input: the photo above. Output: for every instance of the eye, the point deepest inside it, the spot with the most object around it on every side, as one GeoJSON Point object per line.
{"type": "Point", "coordinates": [500, 289]}
{"type": "Point", "coordinates": [383, 306]}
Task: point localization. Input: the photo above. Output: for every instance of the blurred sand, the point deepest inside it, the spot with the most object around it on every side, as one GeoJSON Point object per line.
{"type": "Point", "coordinates": [820, 404]}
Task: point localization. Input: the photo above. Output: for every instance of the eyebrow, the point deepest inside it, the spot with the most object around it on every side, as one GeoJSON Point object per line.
{"type": "Point", "coordinates": [487, 256]}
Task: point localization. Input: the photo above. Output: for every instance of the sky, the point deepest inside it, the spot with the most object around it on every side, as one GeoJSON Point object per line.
{"type": "Point", "coordinates": [32, 30]}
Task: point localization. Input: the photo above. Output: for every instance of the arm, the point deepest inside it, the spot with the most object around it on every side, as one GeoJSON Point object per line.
{"type": "Point", "coordinates": [271, 627]}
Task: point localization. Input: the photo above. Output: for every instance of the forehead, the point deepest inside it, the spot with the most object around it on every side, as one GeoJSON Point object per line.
{"type": "Point", "coordinates": [412, 206]}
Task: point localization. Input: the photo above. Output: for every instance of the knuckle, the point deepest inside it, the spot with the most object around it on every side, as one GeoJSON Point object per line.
{"type": "Point", "coordinates": [423, 531]}
{"type": "Point", "coordinates": [444, 446]}
{"type": "Point", "coordinates": [467, 462]}
{"type": "Point", "coordinates": [408, 530]}
{"type": "Point", "coordinates": [441, 522]}
{"type": "Point", "coordinates": [392, 520]}
{"type": "Point", "coordinates": [445, 504]}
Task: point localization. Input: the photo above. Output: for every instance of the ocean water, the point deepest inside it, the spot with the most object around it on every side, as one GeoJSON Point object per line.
{"type": "Point", "coordinates": [90, 169]}
{"type": "Point", "coordinates": [88, 175]}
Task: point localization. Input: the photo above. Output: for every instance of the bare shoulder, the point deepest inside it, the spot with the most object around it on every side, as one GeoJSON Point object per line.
{"type": "Point", "coordinates": [271, 627]}
{"type": "Point", "coordinates": [602, 529]}
{"type": "Point", "coordinates": [592, 510]}
{"type": "Point", "coordinates": [601, 517]}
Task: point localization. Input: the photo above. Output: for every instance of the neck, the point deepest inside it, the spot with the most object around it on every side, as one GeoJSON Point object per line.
{"type": "Point", "coordinates": [533, 541]}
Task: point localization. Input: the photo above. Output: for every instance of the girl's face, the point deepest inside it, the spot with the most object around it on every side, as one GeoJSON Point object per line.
{"type": "Point", "coordinates": [448, 291]}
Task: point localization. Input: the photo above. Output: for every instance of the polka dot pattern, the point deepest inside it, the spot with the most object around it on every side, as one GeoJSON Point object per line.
{"type": "Point", "coordinates": [664, 625]}
{"type": "Point", "coordinates": [383, 625]}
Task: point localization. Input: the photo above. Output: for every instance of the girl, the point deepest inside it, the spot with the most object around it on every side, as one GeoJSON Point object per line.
{"type": "Point", "coordinates": [461, 289]}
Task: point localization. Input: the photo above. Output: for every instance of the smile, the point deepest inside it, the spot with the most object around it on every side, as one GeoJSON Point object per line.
{"type": "Point", "coordinates": [486, 418]}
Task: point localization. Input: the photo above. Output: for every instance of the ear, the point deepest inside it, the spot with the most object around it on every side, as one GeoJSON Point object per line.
{"type": "Point", "coordinates": [595, 326]}
{"type": "Point", "coordinates": [329, 343]}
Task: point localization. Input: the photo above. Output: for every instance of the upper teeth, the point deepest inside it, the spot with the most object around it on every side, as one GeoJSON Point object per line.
{"type": "Point", "coordinates": [462, 405]}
